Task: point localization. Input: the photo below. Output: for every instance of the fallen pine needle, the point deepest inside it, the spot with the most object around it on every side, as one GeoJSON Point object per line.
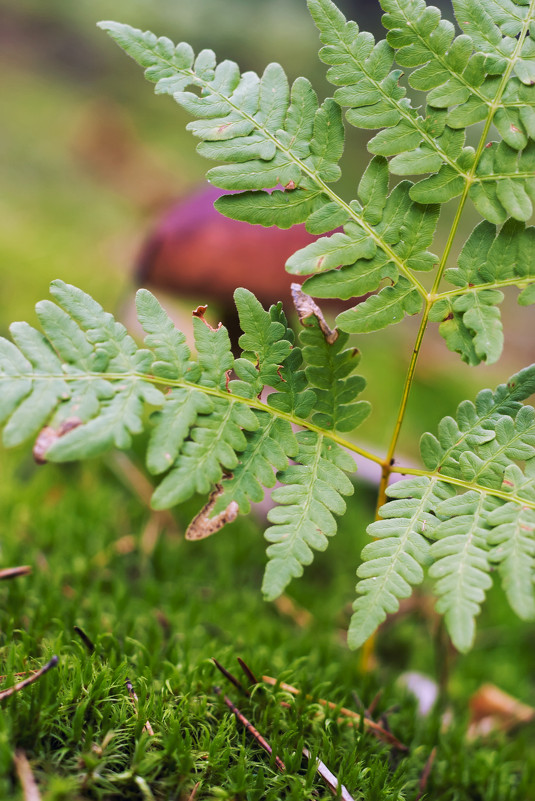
{"type": "Point", "coordinates": [354, 717]}
{"type": "Point", "coordinates": [37, 675]}
{"type": "Point", "coordinates": [26, 777]}
{"type": "Point", "coordinates": [329, 778]}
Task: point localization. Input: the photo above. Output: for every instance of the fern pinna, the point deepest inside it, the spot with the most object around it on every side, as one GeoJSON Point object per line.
{"type": "Point", "coordinates": [227, 427]}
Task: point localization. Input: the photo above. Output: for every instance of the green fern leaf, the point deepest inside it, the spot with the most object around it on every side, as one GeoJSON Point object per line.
{"type": "Point", "coordinates": [267, 448]}
{"type": "Point", "coordinates": [393, 564]}
{"type": "Point", "coordinates": [475, 425]}
{"type": "Point", "coordinates": [209, 452]}
{"type": "Point", "coordinates": [461, 562]}
{"type": "Point", "coordinates": [328, 372]}
{"type": "Point", "coordinates": [513, 539]}
{"type": "Point", "coordinates": [470, 322]}
{"type": "Point", "coordinates": [312, 493]}
{"type": "Point", "coordinates": [63, 377]}
{"type": "Point", "coordinates": [390, 305]}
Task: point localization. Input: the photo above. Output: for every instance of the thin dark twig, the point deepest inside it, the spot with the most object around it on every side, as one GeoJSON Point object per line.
{"type": "Point", "coordinates": [233, 680]}
{"type": "Point", "coordinates": [132, 693]}
{"type": "Point", "coordinates": [248, 672]}
{"type": "Point", "coordinates": [89, 644]}
{"type": "Point", "coordinates": [374, 702]}
{"type": "Point", "coordinates": [13, 572]}
{"type": "Point", "coordinates": [251, 729]}
{"type": "Point", "coordinates": [329, 778]}
{"type": "Point", "coordinates": [424, 778]}
{"type": "Point", "coordinates": [37, 675]}
{"type": "Point", "coordinates": [26, 777]}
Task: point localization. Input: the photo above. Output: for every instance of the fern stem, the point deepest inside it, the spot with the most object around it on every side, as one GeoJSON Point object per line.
{"type": "Point", "coordinates": [387, 463]}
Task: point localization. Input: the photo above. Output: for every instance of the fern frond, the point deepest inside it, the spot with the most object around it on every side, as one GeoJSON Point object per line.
{"type": "Point", "coordinates": [303, 143]}
{"type": "Point", "coordinates": [461, 562]}
{"type": "Point", "coordinates": [486, 436]}
{"type": "Point", "coordinates": [329, 373]}
{"type": "Point", "coordinates": [305, 517]}
{"type": "Point", "coordinates": [393, 564]}
{"type": "Point", "coordinates": [483, 75]}
{"type": "Point", "coordinates": [90, 386]}
{"type": "Point", "coordinates": [469, 321]}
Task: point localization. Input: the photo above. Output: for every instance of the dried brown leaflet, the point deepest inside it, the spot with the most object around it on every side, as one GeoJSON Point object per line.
{"type": "Point", "coordinates": [48, 435]}
{"type": "Point", "coordinates": [306, 307]}
{"type": "Point", "coordinates": [203, 525]}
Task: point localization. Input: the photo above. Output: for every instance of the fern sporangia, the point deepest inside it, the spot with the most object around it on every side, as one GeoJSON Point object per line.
{"type": "Point", "coordinates": [228, 427]}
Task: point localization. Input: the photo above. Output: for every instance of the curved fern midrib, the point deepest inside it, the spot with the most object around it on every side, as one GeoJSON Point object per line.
{"type": "Point", "coordinates": [314, 177]}
{"type": "Point", "coordinates": [254, 403]}
{"type": "Point", "coordinates": [253, 453]}
{"type": "Point", "coordinates": [289, 541]}
{"type": "Point", "coordinates": [379, 589]}
{"type": "Point", "coordinates": [466, 485]}
{"type": "Point", "coordinates": [465, 555]}
{"type": "Point", "coordinates": [508, 176]}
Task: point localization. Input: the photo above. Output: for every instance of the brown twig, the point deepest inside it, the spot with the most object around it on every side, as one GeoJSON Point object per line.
{"type": "Point", "coordinates": [424, 778]}
{"type": "Point", "coordinates": [251, 729]}
{"type": "Point", "coordinates": [26, 777]}
{"type": "Point", "coordinates": [248, 672]}
{"type": "Point", "coordinates": [354, 717]}
{"type": "Point", "coordinates": [89, 644]}
{"type": "Point", "coordinates": [373, 704]}
{"type": "Point", "coordinates": [132, 693]}
{"type": "Point", "coordinates": [37, 675]}
{"type": "Point", "coordinates": [14, 572]}
{"type": "Point", "coordinates": [233, 680]}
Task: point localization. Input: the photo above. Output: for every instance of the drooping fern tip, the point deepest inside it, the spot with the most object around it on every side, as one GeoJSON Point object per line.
{"type": "Point", "coordinates": [282, 413]}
